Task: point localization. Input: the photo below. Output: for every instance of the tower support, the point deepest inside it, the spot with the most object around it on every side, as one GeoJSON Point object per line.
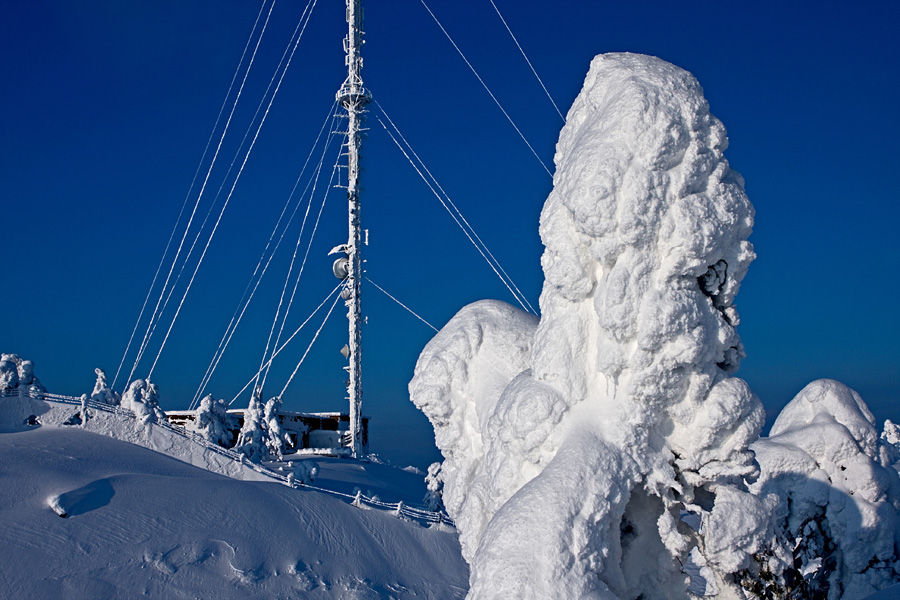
{"type": "Point", "coordinates": [354, 98]}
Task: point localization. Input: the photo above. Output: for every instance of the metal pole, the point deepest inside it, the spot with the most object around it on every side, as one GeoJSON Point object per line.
{"type": "Point", "coordinates": [354, 97]}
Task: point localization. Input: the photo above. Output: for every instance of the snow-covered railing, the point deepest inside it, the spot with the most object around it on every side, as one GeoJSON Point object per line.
{"type": "Point", "coordinates": [359, 500]}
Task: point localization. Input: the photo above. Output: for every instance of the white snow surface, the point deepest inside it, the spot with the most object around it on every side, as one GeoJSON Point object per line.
{"type": "Point", "coordinates": [575, 445]}
{"type": "Point", "coordinates": [139, 523]}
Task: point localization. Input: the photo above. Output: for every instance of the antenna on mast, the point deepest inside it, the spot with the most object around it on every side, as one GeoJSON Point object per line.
{"type": "Point", "coordinates": [353, 97]}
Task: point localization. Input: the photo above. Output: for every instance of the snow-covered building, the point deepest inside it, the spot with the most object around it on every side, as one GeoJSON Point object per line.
{"type": "Point", "coordinates": [320, 430]}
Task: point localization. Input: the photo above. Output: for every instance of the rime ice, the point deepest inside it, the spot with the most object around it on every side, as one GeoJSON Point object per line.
{"type": "Point", "coordinates": [579, 448]}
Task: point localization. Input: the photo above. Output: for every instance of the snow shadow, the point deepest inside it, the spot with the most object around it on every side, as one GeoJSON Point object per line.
{"type": "Point", "coordinates": [77, 502]}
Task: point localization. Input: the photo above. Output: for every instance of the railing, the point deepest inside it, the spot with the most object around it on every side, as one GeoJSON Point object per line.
{"type": "Point", "coordinates": [359, 500]}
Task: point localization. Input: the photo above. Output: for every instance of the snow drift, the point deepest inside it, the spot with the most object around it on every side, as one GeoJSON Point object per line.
{"type": "Point", "coordinates": [142, 524]}
{"type": "Point", "coordinates": [605, 451]}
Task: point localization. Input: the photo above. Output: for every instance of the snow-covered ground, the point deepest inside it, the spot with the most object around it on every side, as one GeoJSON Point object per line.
{"type": "Point", "coordinates": [141, 523]}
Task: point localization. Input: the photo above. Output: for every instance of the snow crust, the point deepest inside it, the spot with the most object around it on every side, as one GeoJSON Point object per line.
{"type": "Point", "coordinates": [605, 450]}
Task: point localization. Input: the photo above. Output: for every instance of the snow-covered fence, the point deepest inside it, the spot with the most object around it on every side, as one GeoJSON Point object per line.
{"type": "Point", "coordinates": [398, 508]}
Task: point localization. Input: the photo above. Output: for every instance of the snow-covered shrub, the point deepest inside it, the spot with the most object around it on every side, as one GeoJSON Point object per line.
{"type": "Point", "coordinates": [102, 392]}
{"type": "Point", "coordinates": [211, 421]}
{"type": "Point", "coordinates": [252, 439]}
{"type": "Point", "coordinates": [142, 398]}
{"type": "Point", "coordinates": [276, 439]}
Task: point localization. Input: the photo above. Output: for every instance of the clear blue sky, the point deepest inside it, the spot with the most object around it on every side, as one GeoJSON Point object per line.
{"type": "Point", "coordinates": [107, 105]}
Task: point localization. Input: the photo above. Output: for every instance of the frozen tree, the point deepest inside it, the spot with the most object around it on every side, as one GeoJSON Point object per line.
{"type": "Point", "coordinates": [102, 392]}
{"type": "Point", "coordinates": [836, 528]}
{"type": "Point", "coordinates": [16, 373]}
{"type": "Point", "coordinates": [276, 439]}
{"type": "Point", "coordinates": [9, 372]}
{"type": "Point", "coordinates": [211, 421]}
{"type": "Point", "coordinates": [890, 438]}
{"type": "Point", "coordinates": [593, 429]}
{"type": "Point", "coordinates": [304, 472]}
{"type": "Point", "coordinates": [580, 448]}
{"type": "Point", "coordinates": [27, 377]}
{"type": "Point", "coordinates": [252, 439]}
{"type": "Point", "coordinates": [433, 483]}
{"type": "Point", "coordinates": [142, 398]}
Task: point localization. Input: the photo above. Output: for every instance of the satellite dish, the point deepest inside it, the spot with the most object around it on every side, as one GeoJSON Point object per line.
{"type": "Point", "coordinates": [341, 268]}
{"type": "Point", "coordinates": [345, 351]}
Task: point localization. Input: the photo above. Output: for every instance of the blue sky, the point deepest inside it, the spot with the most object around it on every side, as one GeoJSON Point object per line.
{"type": "Point", "coordinates": [107, 107]}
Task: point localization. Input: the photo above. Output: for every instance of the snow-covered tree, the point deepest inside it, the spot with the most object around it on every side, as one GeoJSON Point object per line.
{"type": "Point", "coordinates": [16, 373]}
{"type": "Point", "coordinates": [276, 439]}
{"type": "Point", "coordinates": [102, 392]}
{"type": "Point", "coordinates": [304, 471]}
{"type": "Point", "coordinates": [890, 438]}
{"type": "Point", "coordinates": [9, 372]}
{"type": "Point", "coordinates": [211, 421]}
{"type": "Point", "coordinates": [580, 447]}
{"type": "Point", "coordinates": [835, 525]}
{"type": "Point", "coordinates": [142, 398]}
{"type": "Point", "coordinates": [433, 497]}
{"type": "Point", "coordinates": [252, 439]}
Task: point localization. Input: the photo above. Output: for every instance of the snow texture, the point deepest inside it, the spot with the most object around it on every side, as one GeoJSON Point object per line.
{"type": "Point", "coordinates": [580, 449]}
{"type": "Point", "coordinates": [140, 524]}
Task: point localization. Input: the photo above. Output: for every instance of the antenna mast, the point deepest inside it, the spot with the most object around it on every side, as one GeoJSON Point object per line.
{"type": "Point", "coordinates": [353, 97]}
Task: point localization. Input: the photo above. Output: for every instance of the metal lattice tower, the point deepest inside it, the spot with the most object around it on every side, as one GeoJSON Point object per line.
{"type": "Point", "coordinates": [354, 97]}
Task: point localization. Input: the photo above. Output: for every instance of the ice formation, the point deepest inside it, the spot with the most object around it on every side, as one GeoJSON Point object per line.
{"type": "Point", "coordinates": [604, 451]}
